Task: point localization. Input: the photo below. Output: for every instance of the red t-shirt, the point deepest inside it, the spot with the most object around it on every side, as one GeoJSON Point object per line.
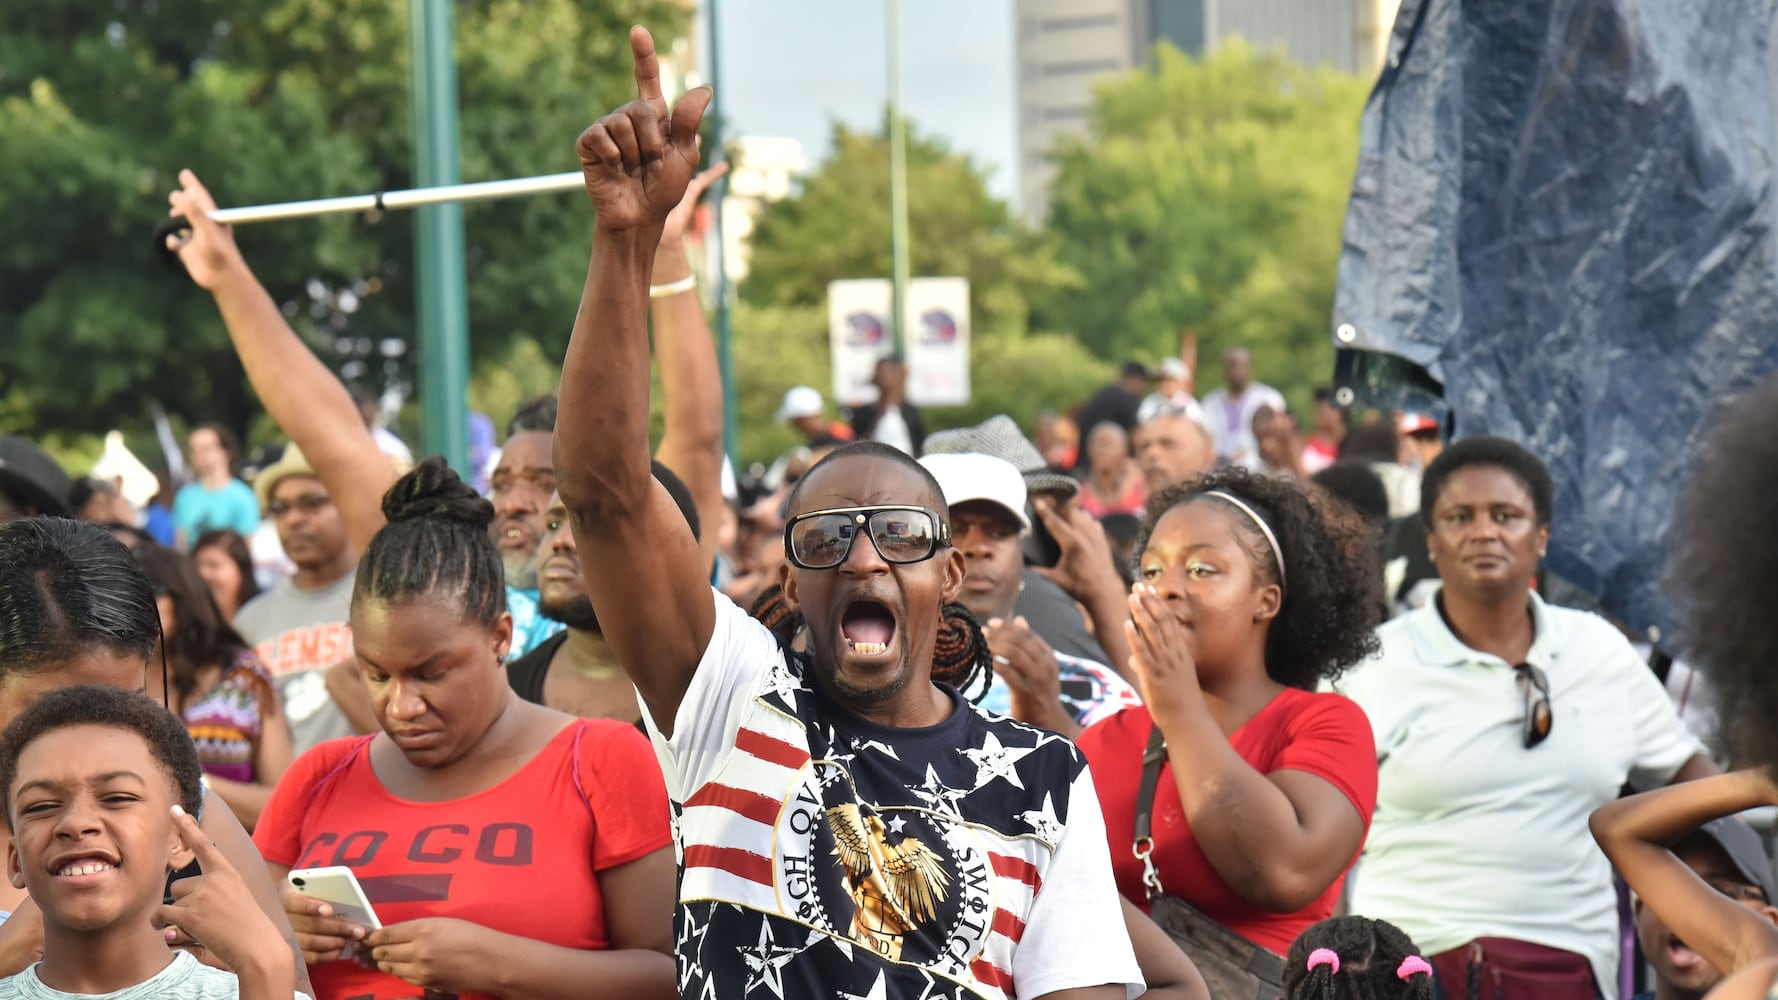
{"type": "Point", "coordinates": [1326, 735]}
{"type": "Point", "coordinates": [520, 858]}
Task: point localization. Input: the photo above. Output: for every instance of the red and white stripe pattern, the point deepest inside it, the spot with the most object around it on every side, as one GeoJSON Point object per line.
{"type": "Point", "coordinates": [730, 829]}
{"type": "Point", "coordinates": [727, 825]}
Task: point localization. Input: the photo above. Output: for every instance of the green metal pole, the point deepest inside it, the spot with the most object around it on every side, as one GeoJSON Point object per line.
{"type": "Point", "coordinates": [725, 330]}
{"type": "Point", "coordinates": [438, 237]}
{"type": "Point", "coordinates": [898, 181]}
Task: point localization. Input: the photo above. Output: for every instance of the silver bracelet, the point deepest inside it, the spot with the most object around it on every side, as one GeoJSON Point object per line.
{"type": "Point", "coordinates": [684, 284]}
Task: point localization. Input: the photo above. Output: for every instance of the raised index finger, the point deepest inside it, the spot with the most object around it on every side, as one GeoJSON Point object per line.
{"type": "Point", "coordinates": [210, 857]}
{"type": "Point", "coordinates": [648, 68]}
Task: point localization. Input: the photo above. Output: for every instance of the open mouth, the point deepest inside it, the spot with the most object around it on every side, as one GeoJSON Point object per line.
{"type": "Point", "coordinates": [514, 535]}
{"type": "Point", "coordinates": [1681, 956]}
{"type": "Point", "coordinates": [85, 865]}
{"type": "Point", "coordinates": [868, 627]}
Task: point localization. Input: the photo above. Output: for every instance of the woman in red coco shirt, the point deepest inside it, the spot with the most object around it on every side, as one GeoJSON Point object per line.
{"type": "Point", "coordinates": [1249, 592]}
{"type": "Point", "coordinates": [508, 850]}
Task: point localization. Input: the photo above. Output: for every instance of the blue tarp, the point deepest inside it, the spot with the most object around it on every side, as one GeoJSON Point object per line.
{"type": "Point", "coordinates": [1562, 231]}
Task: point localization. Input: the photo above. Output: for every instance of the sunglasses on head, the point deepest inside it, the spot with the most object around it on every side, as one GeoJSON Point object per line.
{"type": "Point", "coordinates": [822, 539]}
{"type": "Point", "coordinates": [1539, 719]}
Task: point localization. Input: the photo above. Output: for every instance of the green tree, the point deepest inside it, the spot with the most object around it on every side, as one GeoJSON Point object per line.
{"type": "Point", "coordinates": [272, 100]}
{"type": "Point", "coordinates": [1209, 195]}
{"type": "Point", "coordinates": [837, 226]}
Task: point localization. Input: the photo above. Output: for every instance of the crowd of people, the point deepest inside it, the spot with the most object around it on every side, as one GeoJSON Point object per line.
{"type": "Point", "coordinates": [1167, 696]}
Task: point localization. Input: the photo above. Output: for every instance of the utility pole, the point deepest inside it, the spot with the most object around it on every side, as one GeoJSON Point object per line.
{"type": "Point", "coordinates": [898, 181]}
{"type": "Point", "coordinates": [725, 330]}
{"type": "Point", "coordinates": [438, 237]}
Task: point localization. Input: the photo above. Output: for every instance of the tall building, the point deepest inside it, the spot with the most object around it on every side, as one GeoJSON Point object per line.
{"type": "Point", "coordinates": [1066, 46]}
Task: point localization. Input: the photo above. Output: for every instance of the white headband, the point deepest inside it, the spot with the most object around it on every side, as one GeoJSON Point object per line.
{"type": "Point", "coordinates": [1264, 528]}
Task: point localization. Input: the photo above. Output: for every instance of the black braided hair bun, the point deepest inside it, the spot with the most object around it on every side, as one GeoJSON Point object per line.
{"type": "Point", "coordinates": [432, 490]}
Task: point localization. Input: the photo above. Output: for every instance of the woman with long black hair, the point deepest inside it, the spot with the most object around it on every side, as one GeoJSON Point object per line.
{"type": "Point", "coordinates": [218, 687]}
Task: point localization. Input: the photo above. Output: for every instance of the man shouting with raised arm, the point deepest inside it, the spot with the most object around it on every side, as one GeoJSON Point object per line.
{"type": "Point", "coordinates": [847, 823]}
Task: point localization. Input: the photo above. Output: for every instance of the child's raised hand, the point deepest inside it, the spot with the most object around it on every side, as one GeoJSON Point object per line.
{"type": "Point", "coordinates": [219, 910]}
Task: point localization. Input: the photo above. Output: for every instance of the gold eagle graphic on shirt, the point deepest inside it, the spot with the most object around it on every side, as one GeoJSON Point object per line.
{"type": "Point", "coordinates": [895, 887]}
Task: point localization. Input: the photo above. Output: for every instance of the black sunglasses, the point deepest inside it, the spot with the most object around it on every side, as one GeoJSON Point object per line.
{"type": "Point", "coordinates": [308, 505]}
{"type": "Point", "coordinates": [1539, 719]}
{"type": "Point", "coordinates": [822, 539]}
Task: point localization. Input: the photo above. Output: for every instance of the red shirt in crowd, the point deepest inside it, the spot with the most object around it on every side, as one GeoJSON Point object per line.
{"type": "Point", "coordinates": [1325, 735]}
{"type": "Point", "coordinates": [521, 858]}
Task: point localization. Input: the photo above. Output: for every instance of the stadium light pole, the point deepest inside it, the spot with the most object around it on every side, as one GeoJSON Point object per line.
{"type": "Point", "coordinates": [725, 330]}
{"type": "Point", "coordinates": [443, 301]}
{"type": "Point", "coordinates": [898, 182]}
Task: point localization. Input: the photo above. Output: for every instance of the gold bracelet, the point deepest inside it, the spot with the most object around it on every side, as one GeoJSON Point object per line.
{"type": "Point", "coordinates": [684, 284]}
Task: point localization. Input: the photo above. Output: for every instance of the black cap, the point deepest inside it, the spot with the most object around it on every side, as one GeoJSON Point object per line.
{"type": "Point", "coordinates": [31, 478]}
{"type": "Point", "coordinates": [1745, 851]}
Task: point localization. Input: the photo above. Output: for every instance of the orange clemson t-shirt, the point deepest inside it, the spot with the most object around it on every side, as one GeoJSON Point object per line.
{"type": "Point", "coordinates": [521, 858]}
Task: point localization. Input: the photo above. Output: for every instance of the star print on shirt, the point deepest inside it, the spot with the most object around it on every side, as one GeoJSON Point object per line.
{"type": "Point", "coordinates": [766, 961]}
{"type": "Point", "coordinates": [937, 795]}
{"type": "Point", "coordinates": [992, 761]}
{"type": "Point", "coordinates": [879, 746]}
{"type": "Point", "coordinates": [1044, 822]}
{"type": "Point", "coordinates": [897, 824]}
{"type": "Point", "coordinates": [878, 991]}
{"type": "Point", "coordinates": [781, 682]}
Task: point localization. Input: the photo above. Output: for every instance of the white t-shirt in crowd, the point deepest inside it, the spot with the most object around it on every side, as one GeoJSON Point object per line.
{"type": "Point", "coordinates": [892, 430]}
{"type": "Point", "coordinates": [820, 853]}
{"type": "Point", "coordinates": [1477, 836]}
{"type": "Point", "coordinates": [1231, 421]}
{"type": "Point", "coordinates": [184, 978]}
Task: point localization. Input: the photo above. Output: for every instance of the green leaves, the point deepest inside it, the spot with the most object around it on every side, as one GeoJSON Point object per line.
{"type": "Point", "coordinates": [271, 100]}
{"type": "Point", "coordinates": [1209, 196]}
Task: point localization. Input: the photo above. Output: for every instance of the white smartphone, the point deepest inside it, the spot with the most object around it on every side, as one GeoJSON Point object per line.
{"type": "Point", "coordinates": [339, 888]}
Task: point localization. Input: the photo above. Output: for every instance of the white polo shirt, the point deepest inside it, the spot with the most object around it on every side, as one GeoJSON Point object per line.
{"type": "Point", "coordinates": [1476, 836]}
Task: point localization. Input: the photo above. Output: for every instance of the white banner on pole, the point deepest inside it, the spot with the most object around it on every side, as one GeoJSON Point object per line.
{"type": "Point", "coordinates": [860, 330]}
{"type": "Point", "coordinates": [938, 341]}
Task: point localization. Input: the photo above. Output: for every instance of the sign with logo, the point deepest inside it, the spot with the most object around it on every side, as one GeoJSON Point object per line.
{"type": "Point", "coordinates": [938, 341]}
{"type": "Point", "coordinates": [860, 315]}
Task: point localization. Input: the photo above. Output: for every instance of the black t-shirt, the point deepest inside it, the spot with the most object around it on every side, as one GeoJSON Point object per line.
{"type": "Point", "coordinates": [526, 673]}
{"type": "Point", "coordinates": [1056, 619]}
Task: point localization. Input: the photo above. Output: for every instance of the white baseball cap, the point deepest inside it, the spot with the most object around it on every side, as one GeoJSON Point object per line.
{"type": "Point", "coordinates": [800, 401]}
{"type": "Point", "coordinates": [1173, 368]}
{"type": "Point", "coordinates": [972, 476]}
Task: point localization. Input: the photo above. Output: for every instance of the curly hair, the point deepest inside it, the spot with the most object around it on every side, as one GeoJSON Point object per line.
{"type": "Point", "coordinates": [97, 705]}
{"type": "Point", "coordinates": [1333, 599]}
{"type": "Point", "coordinates": [1369, 964]}
{"type": "Point", "coordinates": [1723, 566]}
{"type": "Point", "coordinates": [1498, 453]}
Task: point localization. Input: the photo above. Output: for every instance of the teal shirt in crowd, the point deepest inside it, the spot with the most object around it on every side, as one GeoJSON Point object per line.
{"type": "Point", "coordinates": [197, 509]}
{"type": "Point", "coordinates": [529, 627]}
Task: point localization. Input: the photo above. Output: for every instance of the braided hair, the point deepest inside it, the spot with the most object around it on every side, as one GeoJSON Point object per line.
{"type": "Point", "coordinates": [1356, 958]}
{"type": "Point", "coordinates": [435, 544]}
{"type": "Point", "coordinates": [960, 656]}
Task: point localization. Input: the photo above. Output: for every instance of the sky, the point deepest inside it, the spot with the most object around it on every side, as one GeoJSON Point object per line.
{"type": "Point", "coordinates": [792, 67]}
